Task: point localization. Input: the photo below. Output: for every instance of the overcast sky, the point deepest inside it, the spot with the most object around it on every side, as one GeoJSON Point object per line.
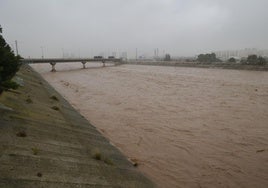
{"type": "Point", "coordinates": [89, 27]}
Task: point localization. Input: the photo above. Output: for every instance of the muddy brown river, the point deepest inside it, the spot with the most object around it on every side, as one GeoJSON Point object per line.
{"type": "Point", "coordinates": [186, 127]}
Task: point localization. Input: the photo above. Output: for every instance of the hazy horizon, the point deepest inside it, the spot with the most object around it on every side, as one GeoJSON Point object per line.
{"type": "Point", "coordinates": [87, 28]}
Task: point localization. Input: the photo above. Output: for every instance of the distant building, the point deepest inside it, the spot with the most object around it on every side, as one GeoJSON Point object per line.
{"type": "Point", "coordinates": [123, 55]}
{"type": "Point", "coordinates": [239, 54]}
{"type": "Point", "coordinates": [114, 54]}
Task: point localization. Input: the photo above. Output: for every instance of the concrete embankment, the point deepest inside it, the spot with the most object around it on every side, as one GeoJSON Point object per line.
{"type": "Point", "coordinates": [44, 142]}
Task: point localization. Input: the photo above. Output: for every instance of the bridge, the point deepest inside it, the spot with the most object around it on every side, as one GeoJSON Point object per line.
{"type": "Point", "coordinates": [54, 61]}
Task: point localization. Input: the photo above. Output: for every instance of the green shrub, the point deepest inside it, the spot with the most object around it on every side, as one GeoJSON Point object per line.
{"type": "Point", "coordinates": [21, 134]}
{"type": "Point", "coordinates": [29, 100]}
{"type": "Point", "coordinates": [35, 151]}
{"type": "Point", "coordinates": [97, 156]}
{"type": "Point", "coordinates": [53, 97]}
{"type": "Point", "coordinates": [108, 161]}
{"type": "Point", "coordinates": [55, 108]}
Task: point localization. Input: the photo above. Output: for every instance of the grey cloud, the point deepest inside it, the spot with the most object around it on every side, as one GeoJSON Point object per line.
{"type": "Point", "coordinates": [181, 27]}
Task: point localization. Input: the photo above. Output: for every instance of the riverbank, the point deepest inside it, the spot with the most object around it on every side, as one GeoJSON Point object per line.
{"type": "Point", "coordinates": [235, 66]}
{"type": "Point", "coordinates": [45, 142]}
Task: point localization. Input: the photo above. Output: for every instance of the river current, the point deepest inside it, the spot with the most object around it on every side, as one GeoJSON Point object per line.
{"type": "Point", "coordinates": [185, 127]}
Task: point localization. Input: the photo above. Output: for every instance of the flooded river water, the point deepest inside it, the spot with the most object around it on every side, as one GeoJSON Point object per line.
{"type": "Point", "coordinates": [186, 127]}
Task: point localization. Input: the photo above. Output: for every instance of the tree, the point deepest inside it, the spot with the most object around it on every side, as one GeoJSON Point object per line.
{"type": "Point", "coordinates": [167, 57]}
{"type": "Point", "coordinates": [232, 60]}
{"type": "Point", "coordinates": [255, 60]}
{"type": "Point", "coordinates": [9, 65]}
{"type": "Point", "coordinates": [261, 61]}
{"type": "Point", "coordinates": [252, 59]}
{"type": "Point", "coordinates": [208, 58]}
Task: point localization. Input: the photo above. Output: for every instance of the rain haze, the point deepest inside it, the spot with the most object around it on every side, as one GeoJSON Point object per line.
{"type": "Point", "coordinates": [179, 27]}
{"type": "Point", "coordinates": [179, 87]}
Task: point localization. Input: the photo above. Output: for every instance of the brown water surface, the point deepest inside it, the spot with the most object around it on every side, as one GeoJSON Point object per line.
{"type": "Point", "coordinates": [186, 127]}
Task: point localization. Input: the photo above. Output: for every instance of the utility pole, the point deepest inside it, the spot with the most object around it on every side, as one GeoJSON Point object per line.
{"type": "Point", "coordinates": [42, 50]}
{"type": "Point", "coordinates": [16, 44]}
{"type": "Point", "coordinates": [136, 54]}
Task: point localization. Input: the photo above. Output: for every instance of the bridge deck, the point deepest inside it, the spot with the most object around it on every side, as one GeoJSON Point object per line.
{"type": "Point", "coordinates": [64, 60]}
{"type": "Point", "coordinates": [53, 61]}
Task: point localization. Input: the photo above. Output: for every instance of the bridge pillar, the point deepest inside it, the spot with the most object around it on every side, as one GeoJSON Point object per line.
{"type": "Point", "coordinates": [103, 63]}
{"type": "Point", "coordinates": [53, 66]}
{"type": "Point", "coordinates": [84, 64]}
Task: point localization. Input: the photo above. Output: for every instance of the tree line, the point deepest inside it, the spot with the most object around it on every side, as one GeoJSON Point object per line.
{"type": "Point", "coordinates": [250, 60]}
{"type": "Point", "coordinates": [208, 58]}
